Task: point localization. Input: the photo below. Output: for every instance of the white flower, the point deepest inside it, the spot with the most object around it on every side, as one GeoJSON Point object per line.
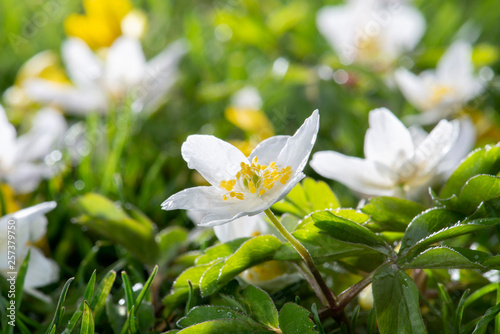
{"type": "Point", "coordinates": [242, 186]}
{"type": "Point", "coordinates": [26, 160]}
{"type": "Point", "coordinates": [99, 83]}
{"type": "Point", "coordinates": [371, 32]}
{"type": "Point", "coordinates": [30, 226]}
{"type": "Point", "coordinates": [443, 91]}
{"type": "Point", "coordinates": [398, 161]}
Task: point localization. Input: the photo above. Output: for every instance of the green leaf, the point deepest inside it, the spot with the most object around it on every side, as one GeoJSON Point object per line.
{"type": "Point", "coordinates": [220, 251]}
{"type": "Point", "coordinates": [460, 311]}
{"type": "Point", "coordinates": [89, 292]}
{"type": "Point", "coordinates": [102, 292]}
{"type": "Point", "coordinates": [170, 240]}
{"type": "Point", "coordinates": [480, 293]}
{"type": "Point", "coordinates": [233, 326]}
{"type": "Point", "coordinates": [425, 224]}
{"type": "Point", "coordinates": [145, 289]}
{"type": "Point", "coordinates": [21, 275]}
{"type": "Point", "coordinates": [396, 301]}
{"type": "Point", "coordinates": [478, 189]}
{"type": "Point", "coordinates": [103, 216]}
{"type": "Point", "coordinates": [448, 258]}
{"type": "Point", "coordinates": [319, 245]}
{"type": "Point", "coordinates": [62, 297]}
{"type": "Point", "coordinates": [456, 230]}
{"type": "Point", "coordinates": [87, 320]}
{"type": "Point", "coordinates": [307, 197]}
{"type": "Point", "coordinates": [319, 195]}
{"type": "Point", "coordinates": [254, 251]}
{"type": "Point", "coordinates": [260, 306]}
{"type": "Point", "coordinates": [129, 294]}
{"type": "Point", "coordinates": [201, 314]}
{"type": "Point", "coordinates": [490, 314]}
{"type": "Point", "coordinates": [393, 214]}
{"type": "Point", "coordinates": [482, 161]}
{"type": "Point", "coordinates": [294, 319]}
{"type": "Point", "coordinates": [348, 231]}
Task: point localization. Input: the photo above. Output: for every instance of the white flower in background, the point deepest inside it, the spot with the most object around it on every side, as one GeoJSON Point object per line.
{"type": "Point", "coordinates": [240, 185]}
{"type": "Point", "coordinates": [30, 227]}
{"type": "Point", "coordinates": [398, 161]}
{"type": "Point", "coordinates": [31, 157]}
{"type": "Point", "coordinates": [99, 83]}
{"type": "Point", "coordinates": [371, 32]}
{"type": "Point", "coordinates": [441, 92]}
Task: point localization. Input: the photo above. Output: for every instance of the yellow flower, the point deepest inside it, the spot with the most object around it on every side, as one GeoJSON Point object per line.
{"type": "Point", "coordinates": [44, 65]}
{"type": "Point", "coordinates": [9, 200]}
{"type": "Point", "coordinates": [105, 21]}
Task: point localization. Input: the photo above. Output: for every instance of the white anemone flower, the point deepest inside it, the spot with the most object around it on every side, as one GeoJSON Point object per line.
{"type": "Point", "coordinates": [99, 83]}
{"type": "Point", "coordinates": [398, 161]}
{"type": "Point", "coordinates": [31, 157]}
{"type": "Point", "coordinates": [371, 32]}
{"type": "Point", "coordinates": [30, 226]}
{"type": "Point", "coordinates": [240, 185]}
{"type": "Point", "coordinates": [442, 92]}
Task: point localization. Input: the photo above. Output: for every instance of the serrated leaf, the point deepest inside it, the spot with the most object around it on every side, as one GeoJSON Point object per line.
{"type": "Point", "coordinates": [319, 195]}
{"type": "Point", "coordinates": [208, 282]}
{"type": "Point", "coordinates": [294, 203]}
{"type": "Point", "coordinates": [448, 258]}
{"type": "Point", "coordinates": [294, 319]}
{"type": "Point", "coordinates": [348, 231]}
{"type": "Point", "coordinates": [87, 320]}
{"type": "Point", "coordinates": [233, 326]}
{"type": "Point", "coordinates": [478, 189]}
{"type": "Point", "coordinates": [201, 314]}
{"type": "Point", "coordinates": [260, 306]}
{"type": "Point", "coordinates": [320, 246]}
{"type": "Point", "coordinates": [220, 251]}
{"type": "Point", "coordinates": [456, 230]}
{"type": "Point", "coordinates": [396, 301]}
{"type": "Point", "coordinates": [482, 161]}
{"type": "Point", "coordinates": [425, 224]}
{"type": "Point", "coordinates": [393, 214]}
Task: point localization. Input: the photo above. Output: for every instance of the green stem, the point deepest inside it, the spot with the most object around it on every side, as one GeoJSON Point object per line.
{"type": "Point", "coordinates": [3, 204]}
{"type": "Point", "coordinates": [330, 297]}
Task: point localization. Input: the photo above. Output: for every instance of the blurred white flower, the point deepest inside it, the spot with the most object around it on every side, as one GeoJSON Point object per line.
{"type": "Point", "coordinates": [31, 157]}
{"type": "Point", "coordinates": [443, 91]}
{"type": "Point", "coordinates": [30, 226]}
{"type": "Point", "coordinates": [242, 186]}
{"type": "Point", "coordinates": [398, 161]}
{"type": "Point", "coordinates": [99, 83]}
{"type": "Point", "coordinates": [371, 32]}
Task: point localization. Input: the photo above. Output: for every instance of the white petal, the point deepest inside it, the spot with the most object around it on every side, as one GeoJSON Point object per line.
{"type": "Point", "coordinates": [358, 174]}
{"type": "Point", "coordinates": [404, 28]}
{"type": "Point", "coordinates": [26, 177]}
{"type": "Point", "coordinates": [268, 150]}
{"type": "Point", "coordinates": [161, 74]}
{"type": "Point", "coordinates": [215, 159]}
{"type": "Point", "coordinates": [413, 88]}
{"type": "Point", "coordinates": [78, 101]}
{"type": "Point", "coordinates": [296, 151]}
{"type": "Point", "coordinates": [41, 270]}
{"type": "Point", "coordinates": [8, 143]}
{"type": "Point", "coordinates": [461, 147]}
{"type": "Point", "coordinates": [125, 65]}
{"type": "Point", "coordinates": [243, 227]}
{"type": "Point", "coordinates": [387, 141]}
{"type": "Point", "coordinates": [45, 135]}
{"type": "Point", "coordinates": [337, 25]}
{"type": "Point", "coordinates": [455, 66]}
{"type": "Point", "coordinates": [433, 149]}
{"type": "Point", "coordinates": [84, 67]}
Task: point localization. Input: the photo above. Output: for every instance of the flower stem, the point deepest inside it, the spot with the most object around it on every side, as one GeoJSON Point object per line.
{"type": "Point", "coordinates": [346, 296]}
{"type": "Point", "coordinates": [329, 295]}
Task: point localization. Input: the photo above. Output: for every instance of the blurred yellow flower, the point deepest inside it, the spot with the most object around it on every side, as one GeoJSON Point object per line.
{"type": "Point", "coordinates": [44, 65]}
{"type": "Point", "coordinates": [8, 200]}
{"type": "Point", "coordinates": [105, 21]}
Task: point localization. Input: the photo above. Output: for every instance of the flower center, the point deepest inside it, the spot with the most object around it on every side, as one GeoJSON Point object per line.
{"type": "Point", "coordinates": [256, 179]}
{"type": "Point", "coordinates": [439, 92]}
